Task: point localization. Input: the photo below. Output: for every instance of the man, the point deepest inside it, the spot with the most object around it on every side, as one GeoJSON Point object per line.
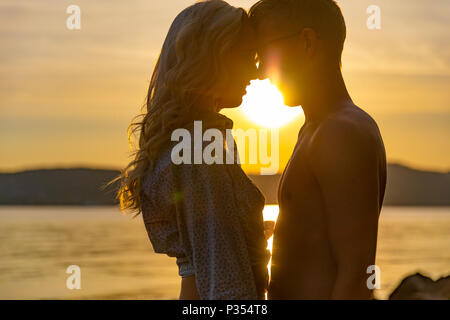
{"type": "Point", "coordinates": [332, 190]}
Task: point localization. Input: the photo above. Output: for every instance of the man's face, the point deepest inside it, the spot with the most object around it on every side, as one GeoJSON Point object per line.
{"type": "Point", "coordinates": [282, 59]}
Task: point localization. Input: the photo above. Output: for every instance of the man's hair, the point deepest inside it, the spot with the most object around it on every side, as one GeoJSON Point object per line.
{"type": "Point", "coordinates": [323, 16]}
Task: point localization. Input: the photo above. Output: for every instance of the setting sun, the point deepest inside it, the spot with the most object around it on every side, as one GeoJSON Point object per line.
{"type": "Point", "coordinates": [263, 104]}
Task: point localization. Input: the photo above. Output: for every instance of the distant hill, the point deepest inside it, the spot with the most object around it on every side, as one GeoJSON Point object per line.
{"type": "Point", "coordinates": [77, 186]}
{"type": "Point", "coordinates": [81, 186]}
{"type": "Point", "coordinates": [405, 187]}
{"type": "Point", "coordinates": [409, 187]}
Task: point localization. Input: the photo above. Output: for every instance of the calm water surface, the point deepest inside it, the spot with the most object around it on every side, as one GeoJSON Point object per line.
{"type": "Point", "coordinates": [37, 244]}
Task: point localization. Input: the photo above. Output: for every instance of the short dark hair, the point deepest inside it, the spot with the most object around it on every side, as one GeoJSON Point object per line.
{"type": "Point", "coordinates": [323, 16]}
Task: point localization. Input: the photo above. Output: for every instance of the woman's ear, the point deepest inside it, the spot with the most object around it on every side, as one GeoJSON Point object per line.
{"type": "Point", "coordinates": [310, 41]}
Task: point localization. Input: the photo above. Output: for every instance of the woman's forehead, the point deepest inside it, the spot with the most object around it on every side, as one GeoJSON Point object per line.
{"type": "Point", "coordinates": [247, 40]}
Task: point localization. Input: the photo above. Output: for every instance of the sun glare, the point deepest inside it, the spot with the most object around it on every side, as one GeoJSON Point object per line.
{"type": "Point", "coordinates": [263, 105]}
{"type": "Point", "coordinates": [270, 213]}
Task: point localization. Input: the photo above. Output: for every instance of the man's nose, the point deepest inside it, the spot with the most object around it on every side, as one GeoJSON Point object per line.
{"type": "Point", "coordinates": [259, 75]}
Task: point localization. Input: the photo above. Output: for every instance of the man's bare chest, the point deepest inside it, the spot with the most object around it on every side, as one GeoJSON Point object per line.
{"type": "Point", "coordinates": [298, 182]}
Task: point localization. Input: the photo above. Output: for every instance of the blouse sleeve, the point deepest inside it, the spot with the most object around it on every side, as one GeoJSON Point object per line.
{"type": "Point", "coordinates": [217, 242]}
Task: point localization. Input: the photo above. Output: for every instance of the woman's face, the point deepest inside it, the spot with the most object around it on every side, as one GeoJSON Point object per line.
{"type": "Point", "coordinates": [241, 68]}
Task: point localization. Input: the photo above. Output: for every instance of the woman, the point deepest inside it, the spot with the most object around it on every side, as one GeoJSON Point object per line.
{"type": "Point", "coordinates": [207, 216]}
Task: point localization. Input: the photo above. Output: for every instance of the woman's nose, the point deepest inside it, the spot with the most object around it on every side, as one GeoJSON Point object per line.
{"type": "Point", "coordinates": [253, 72]}
{"type": "Point", "coordinates": [261, 74]}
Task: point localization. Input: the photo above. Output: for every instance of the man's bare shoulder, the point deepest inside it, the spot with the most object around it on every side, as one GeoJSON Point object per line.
{"type": "Point", "coordinates": [351, 128]}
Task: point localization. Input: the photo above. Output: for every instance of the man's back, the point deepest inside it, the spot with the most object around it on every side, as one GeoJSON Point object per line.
{"type": "Point", "coordinates": [330, 196]}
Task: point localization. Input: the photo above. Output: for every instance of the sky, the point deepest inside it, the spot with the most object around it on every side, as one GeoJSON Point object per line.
{"type": "Point", "coordinates": [67, 96]}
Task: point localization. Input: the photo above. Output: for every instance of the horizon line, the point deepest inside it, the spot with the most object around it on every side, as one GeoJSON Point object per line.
{"type": "Point", "coordinates": [115, 168]}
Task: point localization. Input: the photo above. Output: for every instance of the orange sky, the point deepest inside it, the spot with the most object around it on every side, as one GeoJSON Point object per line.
{"type": "Point", "coordinates": [67, 97]}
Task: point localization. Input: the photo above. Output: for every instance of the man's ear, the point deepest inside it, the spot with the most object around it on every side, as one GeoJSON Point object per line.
{"type": "Point", "coordinates": [310, 41]}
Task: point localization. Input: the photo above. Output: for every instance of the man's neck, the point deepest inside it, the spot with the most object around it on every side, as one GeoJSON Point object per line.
{"type": "Point", "coordinates": [325, 95]}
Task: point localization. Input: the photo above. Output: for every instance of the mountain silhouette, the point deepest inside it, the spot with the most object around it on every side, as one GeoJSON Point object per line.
{"type": "Point", "coordinates": [82, 186]}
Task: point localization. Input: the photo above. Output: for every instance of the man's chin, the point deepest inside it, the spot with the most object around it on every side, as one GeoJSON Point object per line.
{"type": "Point", "coordinates": [291, 103]}
{"type": "Point", "coordinates": [288, 99]}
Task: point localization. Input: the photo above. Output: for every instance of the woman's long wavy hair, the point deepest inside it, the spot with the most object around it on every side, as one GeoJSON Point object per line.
{"type": "Point", "coordinates": [191, 66]}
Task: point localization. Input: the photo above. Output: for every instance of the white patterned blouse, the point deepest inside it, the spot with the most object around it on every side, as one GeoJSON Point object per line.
{"type": "Point", "coordinates": [210, 218]}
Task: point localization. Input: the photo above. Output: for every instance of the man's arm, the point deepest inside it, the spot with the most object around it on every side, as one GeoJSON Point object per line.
{"type": "Point", "coordinates": [344, 161]}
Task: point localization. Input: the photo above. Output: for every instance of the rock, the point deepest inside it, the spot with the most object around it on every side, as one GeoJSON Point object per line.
{"type": "Point", "coordinates": [420, 287]}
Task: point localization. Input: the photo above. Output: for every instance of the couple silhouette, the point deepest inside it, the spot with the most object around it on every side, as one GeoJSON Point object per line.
{"type": "Point", "coordinates": [209, 216]}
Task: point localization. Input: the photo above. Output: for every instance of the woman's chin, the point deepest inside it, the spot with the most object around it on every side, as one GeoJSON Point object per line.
{"type": "Point", "coordinates": [234, 103]}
